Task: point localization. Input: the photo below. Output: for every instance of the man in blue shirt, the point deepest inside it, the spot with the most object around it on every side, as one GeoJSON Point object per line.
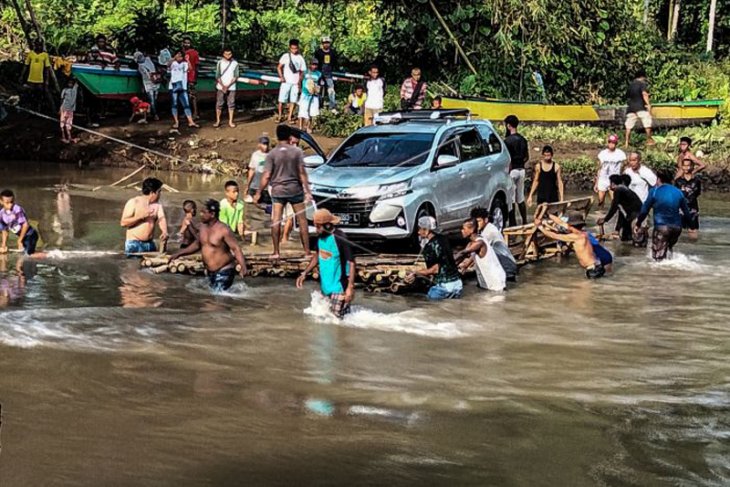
{"type": "Point", "coordinates": [670, 208]}
{"type": "Point", "coordinates": [336, 263]}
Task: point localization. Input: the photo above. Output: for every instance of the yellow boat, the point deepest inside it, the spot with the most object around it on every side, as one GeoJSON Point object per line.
{"type": "Point", "coordinates": [673, 114]}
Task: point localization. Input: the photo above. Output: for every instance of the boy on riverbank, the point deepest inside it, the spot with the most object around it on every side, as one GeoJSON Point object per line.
{"type": "Point", "coordinates": [13, 219]}
{"type": "Point", "coordinates": [309, 101]}
{"type": "Point", "coordinates": [256, 168]}
{"type": "Point", "coordinates": [66, 113]}
{"type": "Point", "coordinates": [232, 209]}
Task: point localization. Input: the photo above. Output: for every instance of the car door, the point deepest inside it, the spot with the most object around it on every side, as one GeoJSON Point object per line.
{"type": "Point", "coordinates": [474, 170]}
{"type": "Point", "coordinates": [496, 166]}
{"type": "Point", "coordinates": [447, 182]}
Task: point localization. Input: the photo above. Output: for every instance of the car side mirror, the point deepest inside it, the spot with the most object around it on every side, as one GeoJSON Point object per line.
{"type": "Point", "coordinates": [445, 160]}
{"type": "Point", "coordinates": [315, 160]}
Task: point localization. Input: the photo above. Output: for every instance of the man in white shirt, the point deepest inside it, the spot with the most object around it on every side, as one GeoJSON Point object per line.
{"type": "Point", "coordinates": [610, 161]}
{"type": "Point", "coordinates": [375, 88]}
{"type": "Point", "coordinates": [642, 178]}
{"type": "Point", "coordinates": [227, 72]}
{"type": "Point", "coordinates": [291, 70]}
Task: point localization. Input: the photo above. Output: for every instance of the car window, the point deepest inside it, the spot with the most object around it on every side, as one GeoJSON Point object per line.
{"type": "Point", "coordinates": [471, 145]}
{"type": "Point", "coordinates": [383, 150]}
{"type": "Point", "coordinates": [492, 145]}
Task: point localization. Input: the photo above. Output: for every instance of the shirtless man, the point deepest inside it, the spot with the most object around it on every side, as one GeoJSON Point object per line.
{"type": "Point", "coordinates": [685, 153]}
{"type": "Point", "coordinates": [584, 247]}
{"type": "Point", "coordinates": [139, 217]}
{"type": "Point", "coordinates": [219, 248]}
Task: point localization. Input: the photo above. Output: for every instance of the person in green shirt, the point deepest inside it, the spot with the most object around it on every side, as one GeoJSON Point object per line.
{"type": "Point", "coordinates": [232, 209]}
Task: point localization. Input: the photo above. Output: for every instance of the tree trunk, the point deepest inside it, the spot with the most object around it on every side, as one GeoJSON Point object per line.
{"type": "Point", "coordinates": [646, 11]}
{"type": "Point", "coordinates": [23, 24]}
{"type": "Point", "coordinates": [675, 19]}
{"type": "Point", "coordinates": [711, 25]}
{"type": "Point", "coordinates": [670, 13]}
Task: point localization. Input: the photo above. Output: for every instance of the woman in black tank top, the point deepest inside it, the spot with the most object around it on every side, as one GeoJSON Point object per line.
{"type": "Point", "coordinates": [546, 180]}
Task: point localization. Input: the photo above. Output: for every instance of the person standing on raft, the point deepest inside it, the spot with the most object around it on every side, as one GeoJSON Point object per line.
{"type": "Point", "coordinates": [219, 248]}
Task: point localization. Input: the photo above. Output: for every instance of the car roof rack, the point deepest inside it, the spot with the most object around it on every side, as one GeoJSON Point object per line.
{"type": "Point", "coordinates": [421, 115]}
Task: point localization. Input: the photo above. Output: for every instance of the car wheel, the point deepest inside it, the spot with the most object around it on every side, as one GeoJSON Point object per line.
{"type": "Point", "coordinates": [498, 213]}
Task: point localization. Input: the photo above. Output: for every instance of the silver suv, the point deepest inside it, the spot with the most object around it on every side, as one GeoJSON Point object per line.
{"type": "Point", "coordinates": [383, 178]}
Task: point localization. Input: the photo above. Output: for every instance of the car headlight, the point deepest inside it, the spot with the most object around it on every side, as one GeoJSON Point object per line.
{"type": "Point", "coordinates": [388, 191]}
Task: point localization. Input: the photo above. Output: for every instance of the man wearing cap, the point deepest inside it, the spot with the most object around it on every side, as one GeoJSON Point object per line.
{"type": "Point", "coordinates": [219, 248]}
{"type": "Point", "coordinates": [610, 161]}
{"type": "Point", "coordinates": [289, 184]}
{"type": "Point", "coordinates": [309, 101]}
{"type": "Point", "coordinates": [440, 263]}
{"type": "Point", "coordinates": [327, 58]}
{"type": "Point", "coordinates": [336, 263]}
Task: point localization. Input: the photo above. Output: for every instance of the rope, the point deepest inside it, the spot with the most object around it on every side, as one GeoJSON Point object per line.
{"type": "Point", "coordinates": [94, 132]}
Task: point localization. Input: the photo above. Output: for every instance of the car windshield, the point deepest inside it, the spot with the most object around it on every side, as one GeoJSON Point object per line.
{"type": "Point", "coordinates": [383, 150]}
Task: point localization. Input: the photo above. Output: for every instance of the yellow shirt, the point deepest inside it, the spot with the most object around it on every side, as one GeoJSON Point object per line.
{"type": "Point", "coordinates": [38, 63]}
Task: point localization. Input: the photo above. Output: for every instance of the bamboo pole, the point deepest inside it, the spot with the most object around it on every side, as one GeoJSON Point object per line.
{"type": "Point", "coordinates": [453, 38]}
{"type": "Point", "coordinates": [675, 19]}
{"type": "Point", "coordinates": [711, 25]}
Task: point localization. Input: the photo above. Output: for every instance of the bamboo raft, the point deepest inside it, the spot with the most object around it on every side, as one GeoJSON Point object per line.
{"type": "Point", "coordinates": [386, 273]}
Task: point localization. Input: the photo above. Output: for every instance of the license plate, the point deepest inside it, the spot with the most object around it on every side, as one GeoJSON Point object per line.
{"type": "Point", "coordinates": [348, 218]}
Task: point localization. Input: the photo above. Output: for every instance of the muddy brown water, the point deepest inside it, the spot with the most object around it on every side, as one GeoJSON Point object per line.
{"type": "Point", "coordinates": [112, 376]}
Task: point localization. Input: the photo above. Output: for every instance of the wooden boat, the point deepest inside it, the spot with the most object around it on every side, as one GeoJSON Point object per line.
{"type": "Point", "coordinates": [672, 114]}
{"type": "Point", "coordinates": [125, 82]}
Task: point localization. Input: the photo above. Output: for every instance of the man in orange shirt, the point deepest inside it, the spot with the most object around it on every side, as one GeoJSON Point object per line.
{"type": "Point", "coordinates": [193, 59]}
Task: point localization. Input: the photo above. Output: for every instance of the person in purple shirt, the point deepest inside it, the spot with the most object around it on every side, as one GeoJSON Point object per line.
{"type": "Point", "coordinates": [13, 219]}
{"type": "Point", "coordinates": [670, 211]}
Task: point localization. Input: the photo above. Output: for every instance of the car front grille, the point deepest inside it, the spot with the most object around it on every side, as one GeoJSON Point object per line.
{"type": "Point", "coordinates": [361, 207]}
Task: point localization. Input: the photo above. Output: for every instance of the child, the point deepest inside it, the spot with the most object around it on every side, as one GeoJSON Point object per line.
{"type": "Point", "coordinates": [256, 168]}
{"type": "Point", "coordinates": [66, 113]}
{"type": "Point", "coordinates": [309, 101]}
{"type": "Point", "coordinates": [232, 209]}
{"type": "Point", "coordinates": [139, 107]}
{"type": "Point", "coordinates": [356, 101]}
{"type": "Point", "coordinates": [189, 230]}
{"type": "Point", "coordinates": [436, 103]}
{"type": "Point", "coordinates": [12, 218]}
{"type": "Point", "coordinates": [547, 180]}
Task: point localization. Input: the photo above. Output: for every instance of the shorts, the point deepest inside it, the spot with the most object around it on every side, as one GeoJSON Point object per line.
{"type": "Point", "coordinates": [595, 272]}
{"type": "Point", "coordinates": [67, 119]}
{"type": "Point", "coordinates": [693, 220]}
{"type": "Point", "coordinates": [30, 241]}
{"type": "Point", "coordinates": [643, 115]}
{"type": "Point", "coordinates": [288, 93]}
{"type": "Point", "coordinates": [371, 113]}
{"type": "Point", "coordinates": [338, 306]}
{"type": "Point", "coordinates": [603, 255]}
{"type": "Point", "coordinates": [225, 99]}
{"type": "Point", "coordinates": [447, 290]}
{"type": "Point", "coordinates": [604, 184]}
{"type": "Point", "coordinates": [517, 193]}
{"type": "Point", "coordinates": [138, 247]}
{"type": "Point", "coordinates": [308, 107]}
{"type": "Point", "coordinates": [221, 280]}
{"type": "Point", "coordinates": [292, 200]}
{"type": "Point", "coordinates": [663, 240]}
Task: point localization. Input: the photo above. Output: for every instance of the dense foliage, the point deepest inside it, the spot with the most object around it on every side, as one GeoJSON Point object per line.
{"type": "Point", "coordinates": [584, 51]}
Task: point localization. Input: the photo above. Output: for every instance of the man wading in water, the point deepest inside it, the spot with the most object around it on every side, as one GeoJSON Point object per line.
{"type": "Point", "coordinates": [336, 264]}
{"type": "Point", "coordinates": [139, 217]}
{"type": "Point", "coordinates": [219, 248]}
{"type": "Point", "coordinates": [594, 258]}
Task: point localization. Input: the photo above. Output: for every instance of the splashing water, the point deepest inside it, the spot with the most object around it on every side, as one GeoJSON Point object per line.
{"type": "Point", "coordinates": [403, 322]}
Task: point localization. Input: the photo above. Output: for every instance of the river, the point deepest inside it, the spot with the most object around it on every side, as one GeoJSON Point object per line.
{"type": "Point", "coordinates": [113, 376]}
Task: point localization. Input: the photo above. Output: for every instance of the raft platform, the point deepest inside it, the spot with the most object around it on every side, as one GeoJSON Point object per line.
{"type": "Point", "coordinates": [386, 273]}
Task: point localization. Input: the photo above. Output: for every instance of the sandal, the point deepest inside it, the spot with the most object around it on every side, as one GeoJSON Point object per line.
{"type": "Point", "coordinates": [193, 126]}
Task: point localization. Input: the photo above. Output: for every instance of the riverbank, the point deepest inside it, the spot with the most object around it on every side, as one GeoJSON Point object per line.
{"type": "Point", "coordinates": [226, 150]}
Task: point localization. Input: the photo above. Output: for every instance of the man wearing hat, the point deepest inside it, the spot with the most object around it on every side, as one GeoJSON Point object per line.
{"type": "Point", "coordinates": [610, 161]}
{"type": "Point", "coordinates": [219, 248]}
{"type": "Point", "coordinates": [335, 261]}
{"type": "Point", "coordinates": [440, 264]}
{"type": "Point", "coordinates": [309, 101]}
{"type": "Point", "coordinates": [327, 58]}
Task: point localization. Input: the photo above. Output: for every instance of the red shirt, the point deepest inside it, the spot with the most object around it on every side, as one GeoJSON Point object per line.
{"type": "Point", "coordinates": [140, 106]}
{"type": "Point", "coordinates": [193, 59]}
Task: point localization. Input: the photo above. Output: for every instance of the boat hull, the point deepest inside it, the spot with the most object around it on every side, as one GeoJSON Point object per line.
{"type": "Point", "coordinates": [124, 83]}
{"type": "Point", "coordinates": [674, 114]}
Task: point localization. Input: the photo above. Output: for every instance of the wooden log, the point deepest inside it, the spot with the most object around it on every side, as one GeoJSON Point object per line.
{"type": "Point", "coordinates": [160, 269]}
